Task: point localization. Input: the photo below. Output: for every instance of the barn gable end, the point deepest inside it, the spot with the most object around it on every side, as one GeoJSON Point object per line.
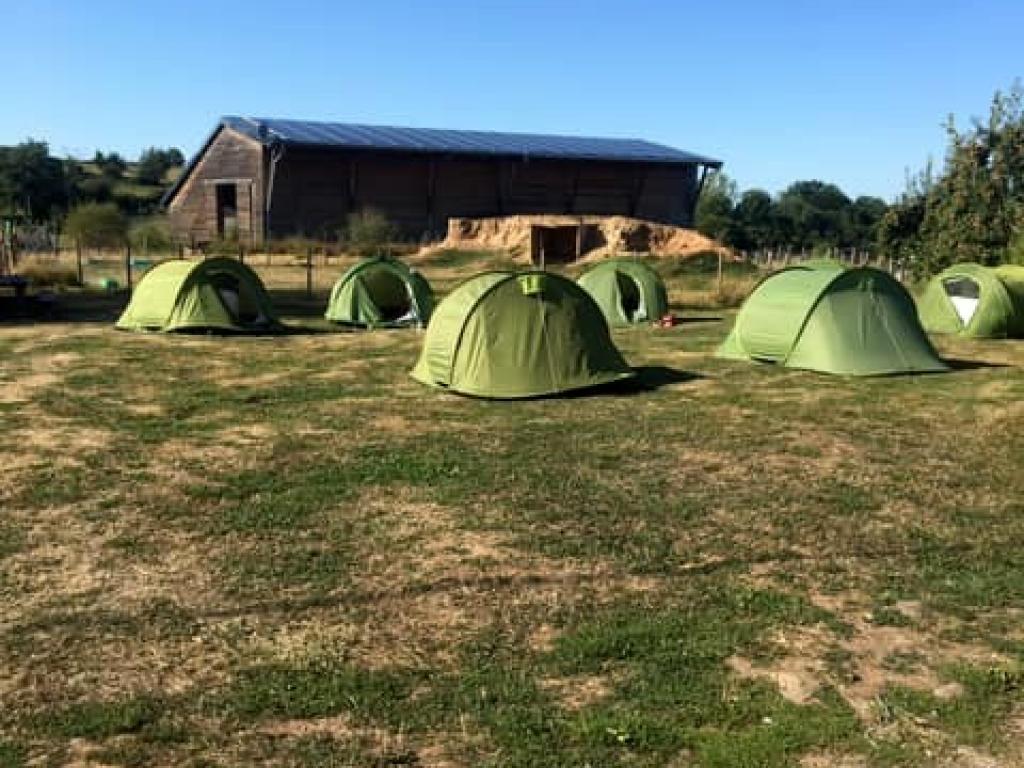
{"type": "Point", "coordinates": [222, 193]}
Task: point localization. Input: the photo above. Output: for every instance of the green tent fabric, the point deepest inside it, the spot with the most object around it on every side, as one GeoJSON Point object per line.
{"type": "Point", "coordinates": [381, 292]}
{"type": "Point", "coordinates": [850, 322]}
{"type": "Point", "coordinates": [627, 291]}
{"type": "Point", "coordinates": [513, 335]}
{"type": "Point", "coordinates": [212, 295]}
{"type": "Point", "coordinates": [976, 301]}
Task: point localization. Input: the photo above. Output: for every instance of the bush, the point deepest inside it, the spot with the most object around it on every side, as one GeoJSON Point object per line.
{"type": "Point", "coordinates": [368, 233]}
{"type": "Point", "coordinates": [43, 275]}
{"type": "Point", "coordinates": [97, 225]}
{"type": "Point", "coordinates": [151, 236]}
{"type": "Point", "coordinates": [1015, 252]}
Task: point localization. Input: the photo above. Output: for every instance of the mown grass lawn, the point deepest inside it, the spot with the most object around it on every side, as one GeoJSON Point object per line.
{"type": "Point", "coordinates": [283, 551]}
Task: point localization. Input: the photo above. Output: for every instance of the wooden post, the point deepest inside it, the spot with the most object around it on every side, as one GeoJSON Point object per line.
{"type": "Point", "coordinates": [241, 253]}
{"type": "Point", "coordinates": [309, 272]}
{"type": "Point", "coordinates": [78, 259]}
{"type": "Point", "coordinates": [181, 250]}
{"type": "Point", "coordinates": [719, 273]}
{"type": "Point", "coordinates": [128, 266]}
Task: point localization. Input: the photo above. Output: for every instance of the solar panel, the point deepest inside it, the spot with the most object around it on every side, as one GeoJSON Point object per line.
{"type": "Point", "coordinates": [342, 135]}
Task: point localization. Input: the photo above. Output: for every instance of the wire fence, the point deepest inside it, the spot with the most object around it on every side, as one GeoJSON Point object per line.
{"type": "Point", "coordinates": [312, 271]}
{"type": "Point", "coordinates": [779, 257]}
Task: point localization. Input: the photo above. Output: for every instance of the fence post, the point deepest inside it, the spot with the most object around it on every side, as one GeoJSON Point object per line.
{"type": "Point", "coordinates": [128, 266]}
{"type": "Point", "coordinates": [719, 273]}
{"type": "Point", "coordinates": [309, 272]}
{"type": "Point", "coordinates": [181, 250]}
{"type": "Point", "coordinates": [241, 253]}
{"type": "Point", "coordinates": [78, 259]}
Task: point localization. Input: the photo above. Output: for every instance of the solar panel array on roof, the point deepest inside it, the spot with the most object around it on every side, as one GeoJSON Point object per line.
{"type": "Point", "coordinates": [430, 140]}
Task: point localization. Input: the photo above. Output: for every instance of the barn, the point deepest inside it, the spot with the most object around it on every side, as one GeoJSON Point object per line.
{"type": "Point", "coordinates": [257, 179]}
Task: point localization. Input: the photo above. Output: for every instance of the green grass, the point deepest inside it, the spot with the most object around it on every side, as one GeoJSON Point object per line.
{"type": "Point", "coordinates": [220, 551]}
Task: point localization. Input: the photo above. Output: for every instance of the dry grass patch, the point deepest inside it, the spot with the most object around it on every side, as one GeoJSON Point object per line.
{"type": "Point", "coordinates": [870, 649]}
{"type": "Point", "coordinates": [579, 692]}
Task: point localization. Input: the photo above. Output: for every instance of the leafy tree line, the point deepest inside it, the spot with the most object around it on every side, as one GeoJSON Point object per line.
{"type": "Point", "coordinates": [807, 214]}
{"type": "Point", "coordinates": [39, 187]}
{"type": "Point", "coordinates": [974, 209]}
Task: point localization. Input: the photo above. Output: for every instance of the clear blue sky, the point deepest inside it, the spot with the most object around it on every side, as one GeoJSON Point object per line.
{"type": "Point", "coordinates": [850, 91]}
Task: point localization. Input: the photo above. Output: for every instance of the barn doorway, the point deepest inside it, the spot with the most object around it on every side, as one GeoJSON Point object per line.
{"type": "Point", "coordinates": [554, 245]}
{"type": "Point", "coordinates": [227, 210]}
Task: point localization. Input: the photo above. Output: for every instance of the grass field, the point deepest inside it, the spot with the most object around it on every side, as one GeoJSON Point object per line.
{"type": "Point", "coordinates": [283, 551]}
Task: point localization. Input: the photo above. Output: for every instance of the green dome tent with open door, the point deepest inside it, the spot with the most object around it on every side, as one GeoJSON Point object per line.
{"type": "Point", "coordinates": [627, 291]}
{"type": "Point", "coordinates": [380, 292]}
{"type": "Point", "coordinates": [850, 322]}
{"type": "Point", "coordinates": [512, 335]}
{"type": "Point", "coordinates": [976, 301]}
{"type": "Point", "coordinates": [212, 295]}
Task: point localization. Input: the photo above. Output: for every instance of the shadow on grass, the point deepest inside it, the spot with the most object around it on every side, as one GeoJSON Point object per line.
{"type": "Point", "coordinates": [959, 364]}
{"type": "Point", "coordinates": [646, 378]}
{"type": "Point", "coordinates": [84, 307]}
{"type": "Point", "coordinates": [697, 319]}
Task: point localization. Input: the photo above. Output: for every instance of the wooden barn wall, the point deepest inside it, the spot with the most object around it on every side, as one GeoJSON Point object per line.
{"type": "Point", "coordinates": [193, 211]}
{"type": "Point", "coordinates": [315, 190]}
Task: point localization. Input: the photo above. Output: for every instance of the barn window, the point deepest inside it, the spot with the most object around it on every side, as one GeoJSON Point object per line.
{"type": "Point", "coordinates": [227, 210]}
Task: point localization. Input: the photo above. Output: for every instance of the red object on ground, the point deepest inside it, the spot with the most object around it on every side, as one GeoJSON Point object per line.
{"type": "Point", "coordinates": [666, 321]}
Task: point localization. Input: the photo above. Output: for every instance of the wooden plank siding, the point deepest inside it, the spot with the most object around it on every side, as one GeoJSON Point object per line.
{"type": "Point", "coordinates": [315, 189]}
{"type": "Point", "coordinates": [230, 158]}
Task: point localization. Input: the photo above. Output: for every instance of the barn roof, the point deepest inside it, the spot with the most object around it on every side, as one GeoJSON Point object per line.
{"type": "Point", "coordinates": [308, 133]}
{"type": "Point", "coordinates": [431, 140]}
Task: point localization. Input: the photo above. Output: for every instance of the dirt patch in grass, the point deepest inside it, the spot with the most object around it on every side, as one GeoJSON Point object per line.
{"type": "Point", "coordinates": [824, 760]}
{"type": "Point", "coordinates": [432, 583]}
{"type": "Point", "coordinates": [579, 692]}
{"type": "Point", "coordinates": [44, 371]}
{"type": "Point", "coordinates": [869, 651]}
{"type": "Point", "coordinates": [60, 441]}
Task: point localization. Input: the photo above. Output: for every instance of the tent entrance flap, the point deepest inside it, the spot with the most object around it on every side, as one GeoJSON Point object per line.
{"type": "Point", "coordinates": [389, 292]}
{"type": "Point", "coordinates": [239, 302]}
{"type": "Point", "coordinates": [965, 295]}
{"type": "Point", "coordinates": [630, 297]}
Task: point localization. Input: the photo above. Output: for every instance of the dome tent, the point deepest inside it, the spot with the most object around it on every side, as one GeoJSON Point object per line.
{"type": "Point", "coordinates": [214, 295]}
{"type": "Point", "coordinates": [511, 335]}
{"type": "Point", "coordinates": [977, 301]}
{"type": "Point", "coordinates": [855, 322]}
{"type": "Point", "coordinates": [380, 292]}
{"type": "Point", "coordinates": [627, 291]}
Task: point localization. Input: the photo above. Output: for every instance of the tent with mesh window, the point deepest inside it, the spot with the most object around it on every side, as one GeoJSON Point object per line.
{"type": "Point", "coordinates": [212, 295]}
{"type": "Point", "coordinates": [976, 301]}
{"type": "Point", "coordinates": [513, 335]}
{"type": "Point", "coordinates": [381, 292]}
{"type": "Point", "coordinates": [626, 290]}
{"type": "Point", "coordinates": [850, 322]}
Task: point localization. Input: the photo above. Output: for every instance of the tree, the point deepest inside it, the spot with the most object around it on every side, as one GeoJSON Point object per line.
{"type": "Point", "coordinates": [31, 182]}
{"type": "Point", "coordinates": [756, 214]}
{"type": "Point", "coordinates": [865, 214]}
{"type": "Point", "coordinates": [112, 166]}
{"type": "Point", "coordinates": [97, 225]}
{"type": "Point", "coordinates": [154, 164]}
{"type": "Point", "coordinates": [714, 216]}
{"type": "Point", "coordinates": [974, 210]}
{"type": "Point", "coordinates": [817, 213]}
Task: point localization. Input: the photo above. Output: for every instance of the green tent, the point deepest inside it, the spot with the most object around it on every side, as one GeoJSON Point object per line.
{"type": "Point", "coordinates": [627, 291]}
{"type": "Point", "coordinates": [851, 322]}
{"type": "Point", "coordinates": [509, 335]}
{"type": "Point", "coordinates": [381, 292]}
{"type": "Point", "coordinates": [973, 300]}
{"type": "Point", "coordinates": [213, 295]}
